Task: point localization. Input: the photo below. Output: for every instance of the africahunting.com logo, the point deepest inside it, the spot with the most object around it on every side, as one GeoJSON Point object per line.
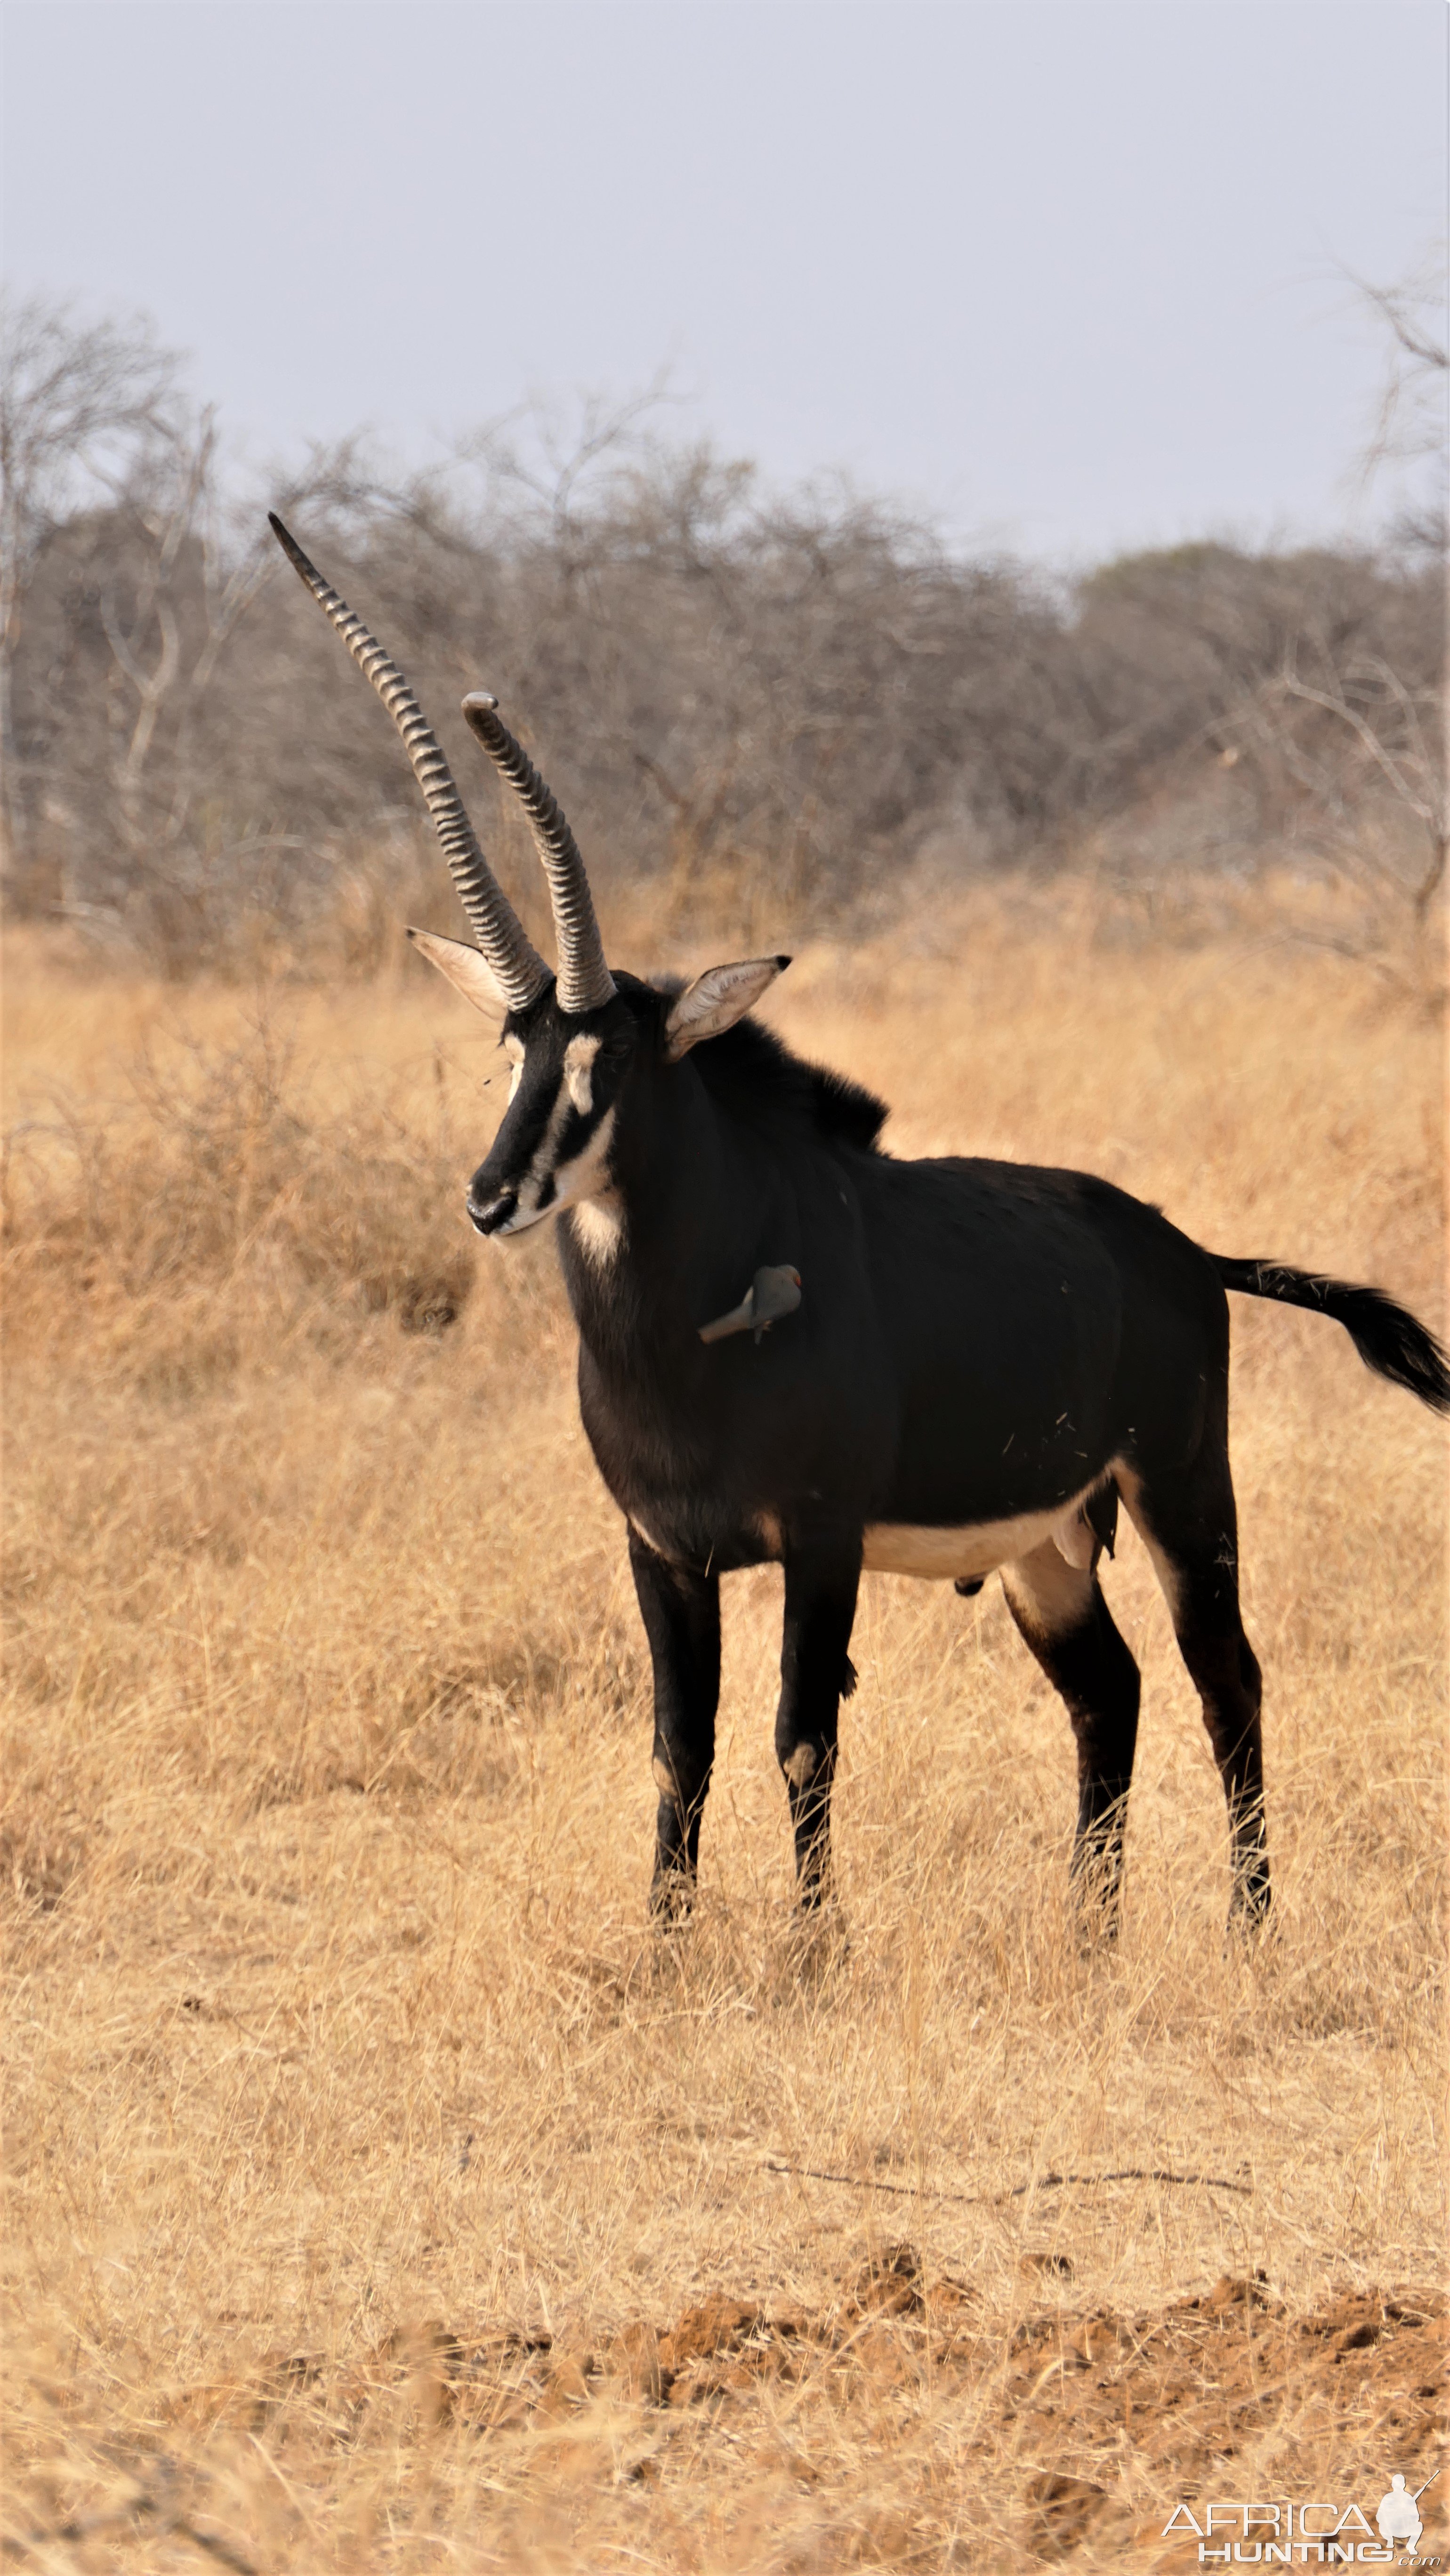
{"type": "Point", "coordinates": [1306, 2535]}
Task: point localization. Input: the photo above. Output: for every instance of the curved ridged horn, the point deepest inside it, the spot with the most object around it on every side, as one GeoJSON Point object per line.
{"type": "Point", "coordinates": [585, 982]}
{"type": "Point", "coordinates": [506, 946]}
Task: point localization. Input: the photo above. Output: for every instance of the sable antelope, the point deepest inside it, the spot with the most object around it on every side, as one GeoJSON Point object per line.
{"type": "Point", "coordinates": [945, 1368]}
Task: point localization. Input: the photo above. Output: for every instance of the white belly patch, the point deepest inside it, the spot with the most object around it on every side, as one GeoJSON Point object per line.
{"type": "Point", "coordinates": [979, 1547]}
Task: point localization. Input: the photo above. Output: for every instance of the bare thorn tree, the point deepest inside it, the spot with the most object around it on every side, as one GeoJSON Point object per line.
{"type": "Point", "coordinates": [1364, 749]}
{"type": "Point", "coordinates": [1395, 730]}
{"type": "Point", "coordinates": [76, 401]}
{"type": "Point", "coordinates": [546, 452]}
{"type": "Point", "coordinates": [170, 606]}
{"type": "Point", "coordinates": [1412, 423]}
{"type": "Point", "coordinates": [1362, 736]}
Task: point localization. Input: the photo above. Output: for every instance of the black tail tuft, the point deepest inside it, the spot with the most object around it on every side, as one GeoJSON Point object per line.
{"type": "Point", "coordinates": [1388, 1339]}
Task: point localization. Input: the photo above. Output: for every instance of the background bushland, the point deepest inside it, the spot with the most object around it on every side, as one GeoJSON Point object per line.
{"type": "Point", "coordinates": [808, 694]}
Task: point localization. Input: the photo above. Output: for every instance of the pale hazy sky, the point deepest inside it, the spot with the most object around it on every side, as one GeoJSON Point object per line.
{"type": "Point", "coordinates": [1068, 275]}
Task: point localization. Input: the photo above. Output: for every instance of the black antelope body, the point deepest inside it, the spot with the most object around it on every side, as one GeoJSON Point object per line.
{"type": "Point", "coordinates": [963, 1365]}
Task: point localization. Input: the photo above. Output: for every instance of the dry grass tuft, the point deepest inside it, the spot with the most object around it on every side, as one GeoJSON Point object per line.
{"type": "Point", "coordinates": [382, 2194]}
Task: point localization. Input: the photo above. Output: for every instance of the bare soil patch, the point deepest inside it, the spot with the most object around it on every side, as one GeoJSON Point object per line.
{"type": "Point", "coordinates": [1080, 2423]}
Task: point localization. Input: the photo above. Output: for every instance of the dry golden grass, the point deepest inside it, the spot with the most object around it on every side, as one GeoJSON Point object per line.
{"type": "Point", "coordinates": [362, 2141]}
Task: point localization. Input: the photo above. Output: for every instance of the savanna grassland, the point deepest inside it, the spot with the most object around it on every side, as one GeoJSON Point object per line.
{"type": "Point", "coordinates": [381, 2192]}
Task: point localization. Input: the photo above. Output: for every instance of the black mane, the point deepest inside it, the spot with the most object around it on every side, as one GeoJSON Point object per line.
{"type": "Point", "coordinates": [754, 1075]}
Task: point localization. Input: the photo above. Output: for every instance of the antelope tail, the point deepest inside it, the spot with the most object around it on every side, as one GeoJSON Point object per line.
{"type": "Point", "coordinates": [1389, 1339]}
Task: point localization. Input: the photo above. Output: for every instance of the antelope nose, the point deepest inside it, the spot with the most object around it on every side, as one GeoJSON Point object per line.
{"type": "Point", "coordinates": [487, 1215]}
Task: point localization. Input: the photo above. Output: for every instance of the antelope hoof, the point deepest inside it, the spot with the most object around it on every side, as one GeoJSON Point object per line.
{"type": "Point", "coordinates": [671, 1898]}
{"type": "Point", "coordinates": [1250, 1914]}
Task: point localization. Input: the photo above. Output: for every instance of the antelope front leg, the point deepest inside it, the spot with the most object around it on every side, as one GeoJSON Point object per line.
{"type": "Point", "coordinates": [681, 1613]}
{"type": "Point", "coordinates": [820, 1606]}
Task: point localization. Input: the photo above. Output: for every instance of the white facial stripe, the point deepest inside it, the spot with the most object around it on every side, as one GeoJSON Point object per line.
{"type": "Point", "coordinates": [584, 1179]}
{"type": "Point", "coordinates": [519, 1223]}
{"type": "Point", "coordinates": [514, 1049]}
{"type": "Point", "coordinates": [532, 1186]}
{"type": "Point", "coordinates": [587, 1176]}
{"type": "Point", "coordinates": [579, 1057]}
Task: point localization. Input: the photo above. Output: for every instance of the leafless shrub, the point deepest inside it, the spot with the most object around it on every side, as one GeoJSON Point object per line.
{"type": "Point", "coordinates": [1362, 752]}
{"type": "Point", "coordinates": [73, 399]}
{"type": "Point", "coordinates": [1348, 733]}
{"type": "Point", "coordinates": [1411, 431]}
{"type": "Point", "coordinates": [218, 1187]}
{"type": "Point", "coordinates": [807, 695]}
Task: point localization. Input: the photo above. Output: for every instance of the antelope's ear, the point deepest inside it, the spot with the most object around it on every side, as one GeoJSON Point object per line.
{"type": "Point", "coordinates": [465, 968]}
{"type": "Point", "coordinates": [716, 1000]}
